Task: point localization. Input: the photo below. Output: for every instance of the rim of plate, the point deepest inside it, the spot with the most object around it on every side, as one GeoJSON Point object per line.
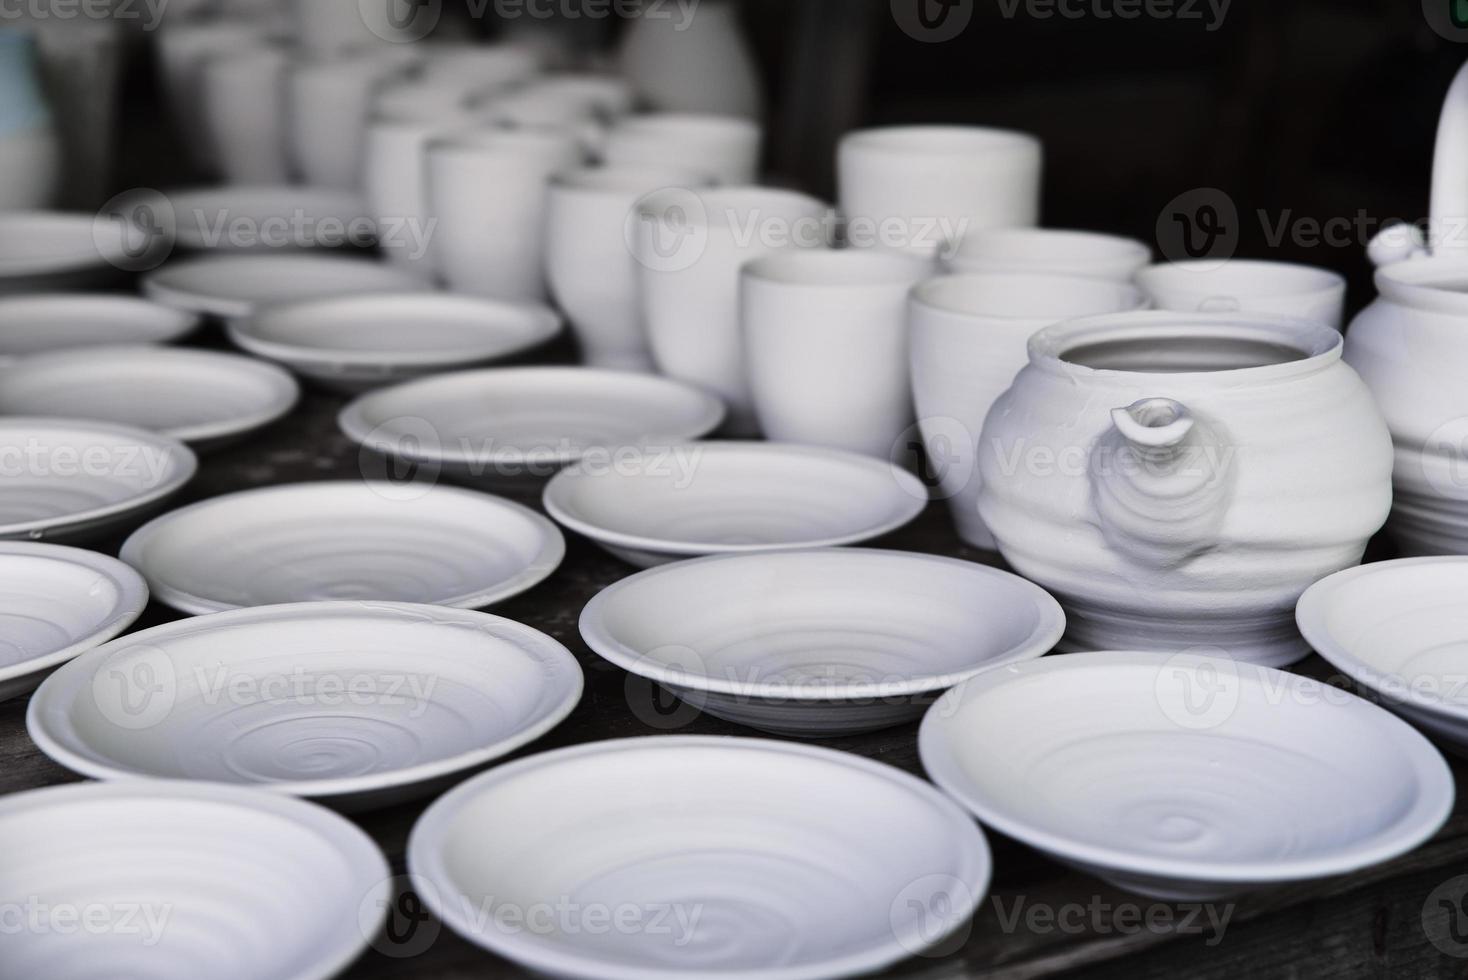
{"type": "Point", "coordinates": [162, 285]}
{"type": "Point", "coordinates": [545, 563]}
{"type": "Point", "coordinates": [1310, 616]}
{"type": "Point", "coordinates": [904, 484]}
{"type": "Point", "coordinates": [43, 306]}
{"type": "Point", "coordinates": [92, 254]}
{"type": "Point", "coordinates": [1042, 639]}
{"type": "Point", "coordinates": [132, 599]}
{"type": "Point", "coordinates": [283, 390]}
{"type": "Point", "coordinates": [1428, 813]}
{"type": "Point", "coordinates": [185, 465]}
{"type": "Point", "coordinates": [50, 702]}
{"type": "Point", "coordinates": [425, 859]}
{"type": "Point", "coordinates": [354, 423]}
{"type": "Point", "coordinates": [544, 324]}
{"type": "Point", "coordinates": [369, 867]}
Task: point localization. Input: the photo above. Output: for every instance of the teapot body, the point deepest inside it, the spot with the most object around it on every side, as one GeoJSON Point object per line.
{"type": "Point", "coordinates": [1178, 480]}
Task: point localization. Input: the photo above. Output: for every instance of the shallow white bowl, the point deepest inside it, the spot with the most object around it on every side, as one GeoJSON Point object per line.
{"type": "Point", "coordinates": [1399, 629]}
{"type": "Point", "coordinates": [39, 322]}
{"type": "Point", "coordinates": [57, 603]}
{"type": "Point", "coordinates": [759, 859]}
{"type": "Point", "coordinates": [232, 286]}
{"type": "Point", "coordinates": [198, 880]}
{"type": "Point", "coordinates": [1185, 777]}
{"type": "Point", "coordinates": [357, 704]}
{"type": "Point", "coordinates": [244, 218]}
{"type": "Point", "coordinates": [58, 250]}
{"type": "Point", "coordinates": [201, 397]}
{"type": "Point", "coordinates": [819, 643]}
{"type": "Point", "coordinates": [344, 540]}
{"type": "Point", "coordinates": [357, 342]}
{"type": "Point", "coordinates": [509, 424]}
{"type": "Point", "coordinates": [73, 480]}
{"type": "Point", "coordinates": [706, 498]}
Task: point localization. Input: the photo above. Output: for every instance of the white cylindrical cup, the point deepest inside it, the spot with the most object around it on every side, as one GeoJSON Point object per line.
{"type": "Point", "coordinates": [183, 48]}
{"type": "Point", "coordinates": [923, 188]}
{"type": "Point", "coordinates": [1050, 252]}
{"type": "Point", "coordinates": [1248, 285]}
{"type": "Point", "coordinates": [330, 102]}
{"type": "Point", "coordinates": [691, 247]}
{"type": "Point", "coordinates": [393, 187]}
{"type": "Point", "coordinates": [727, 148]}
{"type": "Point", "coordinates": [589, 261]}
{"type": "Point", "coordinates": [245, 112]}
{"type": "Point", "coordinates": [825, 340]}
{"type": "Point", "coordinates": [969, 336]}
{"type": "Point", "coordinates": [486, 67]}
{"type": "Point", "coordinates": [487, 192]}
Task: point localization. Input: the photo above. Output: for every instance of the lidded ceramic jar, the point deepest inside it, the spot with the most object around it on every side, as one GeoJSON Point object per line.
{"type": "Point", "coordinates": [1177, 480]}
{"type": "Point", "coordinates": [1410, 346]}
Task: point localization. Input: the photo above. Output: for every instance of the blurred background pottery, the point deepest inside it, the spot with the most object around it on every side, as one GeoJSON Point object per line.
{"type": "Point", "coordinates": [1050, 251]}
{"type": "Point", "coordinates": [183, 49]}
{"type": "Point", "coordinates": [969, 337]}
{"type": "Point", "coordinates": [1178, 480]}
{"type": "Point", "coordinates": [329, 104]}
{"type": "Point", "coordinates": [825, 339]}
{"type": "Point", "coordinates": [1244, 284]}
{"type": "Point", "coordinates": [725, 148]}
{"type": "Point", "coordinates": [30, 152]}
{"type": "Point", "coordinates": [589, 263]}
{"type": "Point", "coordinates": [692, 58]}
{"type": "Point", "coordinates": [244, 93]}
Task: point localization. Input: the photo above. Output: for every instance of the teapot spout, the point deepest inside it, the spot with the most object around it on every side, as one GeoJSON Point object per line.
{"type": "Point", "coordinates": [1153, 423]}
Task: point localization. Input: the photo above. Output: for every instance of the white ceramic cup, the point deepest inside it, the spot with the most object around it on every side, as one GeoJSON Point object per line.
{"type": "Point", "coordinates": [1251, 286]}
{"type": "Point", "coordinates": [922, 188]}
{"type": "Point", "coordinates": [336, 26]}
{"type": "Point", "coordinates": [245, 114]}
{"type": "Point", "coordinates": [825, 338]}
{"type": "Point", "coordinates": [590, 267]}
{"type": "Point", "coordinates": [1050, 251]}
{"type": "Point", "coordinates": [488, 67]}
{"type": "Point", "coordinates": [393, 187]}
{"type": "Point", "coordinates": [487, 193]}
{"type": "Point", "coordinates": [183, 47]}
{"type": "Point", "coordinates": [727, 148]}
{"type": "Point", "coordinates": [329, 103]}
{"type": "Point", "coordinates": [691, 246]}
{"type": "Point", "coordinates": [970, 336]}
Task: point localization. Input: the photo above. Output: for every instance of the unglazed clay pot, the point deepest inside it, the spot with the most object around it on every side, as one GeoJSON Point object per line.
{"type": "Point", "coordinates": [1283, 288]}
{"type": "Point", "coordinates": [1178, 480]}
{"type": "Point", "coordinates": [1411, 349]}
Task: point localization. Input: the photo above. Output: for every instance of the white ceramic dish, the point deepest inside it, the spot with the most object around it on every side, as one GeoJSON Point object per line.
{"type": "Point", "coordinates": [42, 251]}
{"type": "Point", "coordinates": [818, 643]}
{"type": "Point", "coordinates": [356, 704]}
{"type": "Point", "coordinates": [344, 540]}
{"type": "Point", "coordinates": [1185, 777]}
{"type": "Point", "coordinates": [196, 879]}
{"type": "Point", "coordinates": [762, 859]}
{"type": "Point", "coordinates": [1399, 629]}
{"type": "Point", "coordinates": [267, 218]}
{"type": "Point", "coordinates": [35, 323]}
{"type": "Point", "coordinates": [708, 498]}
{"type": "Point", "coordinates": [509, 424]}
{"type": "Point", "coordinates": [352, 343]}
{"type": "Point", "coordinates": [1239, 284]}
{"type": "Point", "coordinates": [231, 286]}
{"type": "Point", "coordinates": [204, 398]}
{"type": "Point", "coordinates": [66, 480]}
{"type": "Point", "coordinates": [1050, 251]}
{"type": "Point", "coordinates": [57, 603]}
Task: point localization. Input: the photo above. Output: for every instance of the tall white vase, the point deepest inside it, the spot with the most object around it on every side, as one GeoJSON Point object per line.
{"type": "Point", "coordinates": [29, 153]}
{"type": "Point", "coordinates": [692, 58]}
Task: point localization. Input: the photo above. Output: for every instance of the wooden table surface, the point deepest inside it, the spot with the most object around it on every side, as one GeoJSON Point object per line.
{"type": "Point", "coordinates": [1406, 918]}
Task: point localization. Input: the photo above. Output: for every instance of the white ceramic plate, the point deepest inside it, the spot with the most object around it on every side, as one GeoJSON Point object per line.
{"type": "Point", "coordinates": [754, 858]}
{"type": "Point", "coordinates": [57, 603]}
{"type": "Point", "coordinates": [35, 323]}
{"type": "Point", "coordinates": [359, 342]}
{"type": "Point", "coordinates": [344, 540]}
{"type": "Point", "coordinates": [231, 286]}
{"type": "Point", "coordinates": [51, 250]}
{"type": "Point", "coordinates": [819, 642]}
{"type": "Point", "coordinates": [1400, 630]}
{"type": "Point", "coordinates": [190, 881]}
{"type": "Point", "coordinates": [71, 480]}
{"type": "Point", "coordinates": [504, 424]}
{"type": "Point", "coordinates": [1185, 777]}
{"type": "Point", "coordinates": [234, 218]}
{"type": "Point", "coordinates": [357, 704]}
{"type": "Point", "coordinates": [204, 398]}
{"type": "Point", "coordinates": [707, 498]}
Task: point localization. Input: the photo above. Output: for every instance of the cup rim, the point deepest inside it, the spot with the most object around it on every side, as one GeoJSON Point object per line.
{"type": "Point", "coordinates": [839, 268]}
{"type": "Point", "coordinates": [1423, 283]}
{"type": "Point", "coordinates": [947, 140]}
{"type": "Point", "coordinates": [1044, 284]}
{"type": "Point", "coordinates": [1213, 277]}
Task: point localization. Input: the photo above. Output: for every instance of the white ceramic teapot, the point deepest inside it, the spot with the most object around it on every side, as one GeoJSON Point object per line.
{"type": "Point", "coordinates": [1178, 480]}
